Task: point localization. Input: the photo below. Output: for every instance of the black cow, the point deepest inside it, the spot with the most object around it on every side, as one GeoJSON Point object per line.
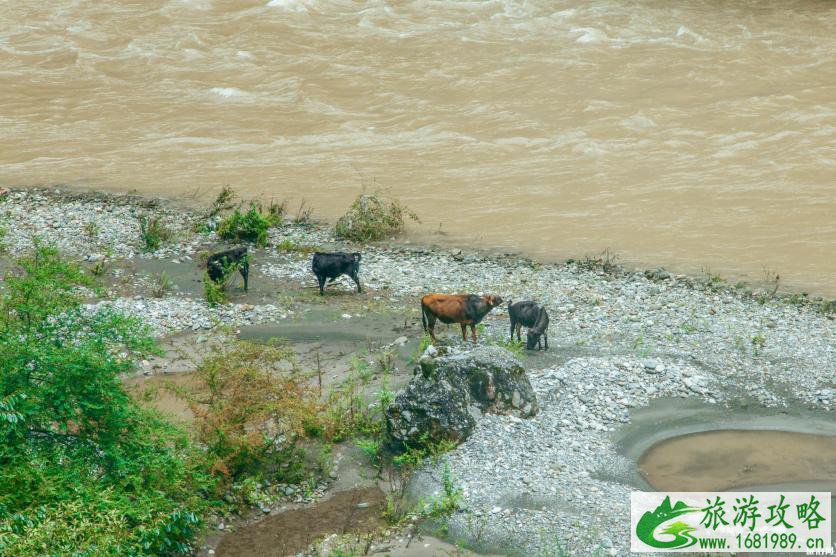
{"type": "Point", "coordinates": [531, 315]}
{"type": "Point", "coordinates": [332, 265]}
{"type": "Point", "coordinates": [219, 265]}
{"type": "Point", "coordinates": [537, 334]}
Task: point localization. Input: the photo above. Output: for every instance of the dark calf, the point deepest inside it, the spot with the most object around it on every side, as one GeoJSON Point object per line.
{"type": "Point", "coordinates": [329, 266]}
{"type": "Point", "coordinates": [219, 265]}
{"type": "Point", "coordinates": [537, 333]}
{"type": "Point", "coordinates": [522, 314]}
{"type": "Point", "coordinates": [530, 315]}
{"type": "Point", "coordinates": [465, 309]}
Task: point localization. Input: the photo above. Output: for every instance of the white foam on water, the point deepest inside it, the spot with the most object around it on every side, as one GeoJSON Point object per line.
{"type": "Point", "coordinates": [288, 5]}
{"type": "Point", "coordinates": [638, 121]}
{"type": "Point", "coordinates": [228, 92]}
{"type": "Point", "coordinates": [589, 35]}
{"type": "Point", "coordinates": [565, 14]}
{"type": "Point", "coordinates": [685, 32]}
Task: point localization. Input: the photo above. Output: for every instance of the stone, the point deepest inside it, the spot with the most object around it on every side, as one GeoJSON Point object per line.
{"type": "Point", "coordinates": [448, 394]}
{"type": "Point", "coordinates": [658, 273]}
{"type": "Point", "coordinates": [429, 411]}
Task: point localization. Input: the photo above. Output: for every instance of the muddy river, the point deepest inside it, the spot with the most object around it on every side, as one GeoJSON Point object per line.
{"type": "Point", "coordinates": [697, 135]}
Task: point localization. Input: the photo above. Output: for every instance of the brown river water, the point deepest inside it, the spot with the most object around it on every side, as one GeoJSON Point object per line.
{"type": "Point", "coordinates": [695, 135]}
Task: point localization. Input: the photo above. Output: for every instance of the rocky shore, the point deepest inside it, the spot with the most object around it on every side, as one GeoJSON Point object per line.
{"type": "Point", "coordinates": [619, 340]}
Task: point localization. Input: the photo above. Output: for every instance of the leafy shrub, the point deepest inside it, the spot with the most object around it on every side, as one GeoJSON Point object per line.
{"type": "Point", "coordinates": [152, 232]}
{"type": "Point", "coordinates": [250, 226]}
{"type": "Point", "coordinates": [247, 409]}
{"type": "Point", "coordinates": [223, 202]}
{"type": "Point", "coordinates": [371, 217]}
{"type": "Point", "coordinates": [215, 293]}
{"type": "Point", "coordinates": [83, 470]}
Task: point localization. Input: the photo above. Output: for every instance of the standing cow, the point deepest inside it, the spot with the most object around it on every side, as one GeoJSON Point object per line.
{"type": "Point", "coordinates": [529, 314]}
{"type": "Point", "coordinates": [223, 263]}
{"type": "Point", "coordinates": [465, 309]}
{"type": "Point", "coordinates": [331, 265]}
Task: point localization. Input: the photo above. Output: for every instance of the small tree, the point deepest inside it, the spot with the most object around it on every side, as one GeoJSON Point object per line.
{"type": "Point", "coordinates": [248, 405]}
{"type": "Point", "coordinates": [371, 217]}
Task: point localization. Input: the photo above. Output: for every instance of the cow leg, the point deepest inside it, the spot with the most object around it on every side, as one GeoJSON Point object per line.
{"type": "Point", "coordinates": [321, 281]}
{"type": "Point", "coordinates": [519, 329]}
{"type": "Point", "coordinates": [473, 331]}
{"type": "Point", "coordinates": [546, 338]}
{"type": "Point", "coordinates": [513, 325]}
{"type": "Point", "coordinates": [357, 282]}
{"type": "Point", "coordinates": [244, 269]}
{"type": "Point", "coordinates": [464, 332]}
{"type": "Point", "coordinates": [431, 326]}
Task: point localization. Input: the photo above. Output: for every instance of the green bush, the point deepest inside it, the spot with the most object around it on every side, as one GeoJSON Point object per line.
{"type": "Point", "coordinates": [371, 217]}
{"type": "Point", "coordinates": [215, 293]}
{"type": "Point", "coordinates": [246, 412]}
{"type": "Point", "coordinates": [84, 470]}
{"type": "Point", "coordinates": [152, 232]}
{"type": "Point", "coordinates": [250, 226]}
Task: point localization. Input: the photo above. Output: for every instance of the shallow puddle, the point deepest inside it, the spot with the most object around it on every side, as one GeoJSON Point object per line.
{"type": "Point", "coordinates": [353, 511]}
{"type": "Point", "coordinates": [729, 459]}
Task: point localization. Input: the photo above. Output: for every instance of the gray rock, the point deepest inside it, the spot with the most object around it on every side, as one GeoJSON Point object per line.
{"type": "Point", "coordinates": [429, 411]}
{"type": "Point", "coordinates": [658, 273]}
{"type": "Point", "coordinates": [443, 401]}
{"type": "Point", "coordinates": [495, 379]}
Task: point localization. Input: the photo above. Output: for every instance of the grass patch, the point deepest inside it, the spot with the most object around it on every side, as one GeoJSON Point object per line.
{"type": "Point", "coordinates": [516, 347]}
{"type": "Point", "coordinates": [214, 293]}
{"type": "Point", "coordinates": [160, 285]}
{"type": "Point", "coordinates": [152, 232]}
{"type": "Point", "coordinates": [304, 214]}
{"type": "Point", "coordinates": [290, 246]}
{"type": "Point", "coordinates": [371, 217]}
{"type": "Point", "coordinates": [606, 262]}
{"type": "Point", "coordinates": [91, 230]}
{"type": "Point", "coordinates": [249, 226]}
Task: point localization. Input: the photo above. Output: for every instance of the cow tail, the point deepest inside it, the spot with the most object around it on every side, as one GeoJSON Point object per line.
{"type": "Point", "coordinates": [424, 316]}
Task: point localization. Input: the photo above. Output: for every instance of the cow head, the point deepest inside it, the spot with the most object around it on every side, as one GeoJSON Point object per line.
{"type": "Point", "coordinates": [532, 339]}
{"type": "Point", "coordinates": [492, 300]}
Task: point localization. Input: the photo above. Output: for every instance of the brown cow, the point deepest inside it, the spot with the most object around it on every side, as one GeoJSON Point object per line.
{"type": "Point", "coordinates": [465, 309]}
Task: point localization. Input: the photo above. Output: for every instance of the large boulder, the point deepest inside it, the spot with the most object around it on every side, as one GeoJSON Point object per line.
{"type": "Point", "coordinates": [448, 393]}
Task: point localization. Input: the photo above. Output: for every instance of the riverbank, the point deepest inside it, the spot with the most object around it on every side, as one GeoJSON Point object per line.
{"type": "Point", "coordinates": [619, 340]}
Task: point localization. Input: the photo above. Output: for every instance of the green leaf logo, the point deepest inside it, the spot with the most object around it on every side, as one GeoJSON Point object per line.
{"type": "Point", "coordinates": [681, 532]}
